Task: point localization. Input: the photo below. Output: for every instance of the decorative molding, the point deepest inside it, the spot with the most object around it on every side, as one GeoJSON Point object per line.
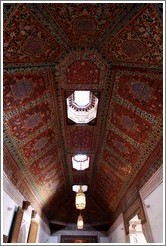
{"type": "Point", "coordinates": [152, 183]}
{"type": "Point", "coordinates": [10, 189]}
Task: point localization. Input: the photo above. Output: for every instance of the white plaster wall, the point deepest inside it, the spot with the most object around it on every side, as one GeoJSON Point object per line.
{"type": "Point", "coordinates": [154, 210]}
{"type": "Point", "coordinates": [104, 240]}
{"type": "Point", "coordinates": [152, 199]}
{"type": "Point", "coordinates": [116, 233]}
{"type": "Point", "coordinates": [43, 232]}
{"type": "Point", "coordinates": [9, 207]}
{"type": "Point", "coordinates": [54, 239]}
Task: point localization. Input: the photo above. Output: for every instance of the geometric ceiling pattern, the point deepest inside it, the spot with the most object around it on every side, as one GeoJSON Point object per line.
{"type": "Point", "coordinates": [113, 50]}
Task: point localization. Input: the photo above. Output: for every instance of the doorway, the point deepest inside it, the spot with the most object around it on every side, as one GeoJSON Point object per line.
{"type": "Point", "coordinates": [135, 231]}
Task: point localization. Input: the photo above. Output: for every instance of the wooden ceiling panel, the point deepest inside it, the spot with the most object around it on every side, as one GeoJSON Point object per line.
{"type": "Point", "coordinates": [139, 42]}
{"type": "Point", "coordinates": [26, 40]}
{"type": "Point", "coordinates": [82, 69]}
{"type": "Point", "coordinates": [85, 23]}
{"type": "Point", "coordinates": [30, 135]}
{"type": "Point", "coordinates": [115, 51]}
{"type": "Point", "coordinates": [80, 139]}
{"type": "Point", "coordinates": [118, 166]}
{"type": "Point", "coordinates": [134, 126]}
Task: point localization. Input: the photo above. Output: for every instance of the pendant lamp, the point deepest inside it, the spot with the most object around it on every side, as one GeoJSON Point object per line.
{"type": "Point", "coordinates": [80, 222]}
{"type": "Point", "coordinates": [80, 199]}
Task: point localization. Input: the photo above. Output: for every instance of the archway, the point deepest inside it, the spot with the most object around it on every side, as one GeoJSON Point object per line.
{"type": "Point", "coordinates": [135, 231]}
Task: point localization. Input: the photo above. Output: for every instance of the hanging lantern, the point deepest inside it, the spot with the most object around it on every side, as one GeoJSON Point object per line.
{"type": "Point", "coordinates": [80, 200]}
{"type": "Point", "coordinates": [80, 222]}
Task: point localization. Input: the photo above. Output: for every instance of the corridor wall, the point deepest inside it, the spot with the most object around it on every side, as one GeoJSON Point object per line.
{"type": "Point", "coordinates": [151, 195]}
{"type": "Point", "coordinates": [12, 199]}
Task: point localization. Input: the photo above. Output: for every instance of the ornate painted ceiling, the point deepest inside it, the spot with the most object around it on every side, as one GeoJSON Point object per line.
{"type": "Point", "coordinates": [115, 51]}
